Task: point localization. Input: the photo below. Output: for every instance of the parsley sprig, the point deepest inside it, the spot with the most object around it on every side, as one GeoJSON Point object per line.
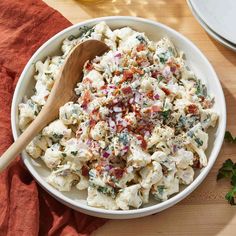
{"type": "Point", "coordinates": [229, 138]}
{"type": "Point", "coordinates": [228, 171]}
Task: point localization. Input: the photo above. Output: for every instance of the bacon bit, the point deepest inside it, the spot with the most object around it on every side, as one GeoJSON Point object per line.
{"type": "Point", "coordinates": [128, 74]}
{"type": "Point", "coordinates": [85, 171]}
{"type": "Point", "coordinates": [192, 109]}
{"type": "Point", "coordinates": [89, 66]}
{"type": "Point", "coordinates": [140, 60]}
{"type": "Point", "coordinates": [116, 91]}
{"type": "Point", "coordinates": [127, 90]}
{"type": "Point", "coordinates": [206, 104]}
{"type": "Point", "coordinates": [104, 87]}
{"type": "Point", "coordinates": [117, 72]}
{"type": "Point", "coordinates": [150, 95]}
{"type": "Point", "coordinates": [118, 173]}
{"type": "Point", "coordinates": [98, 168]}
{"type": "Point", "coordinates": [119, 128]}
{"type": "Point", "coordinates": [155, 108]}
{"type": "Point", "coordinates": [136, 110]}
{"type": "Point", "coordinates": [92, 123]}
{"type": "Point", "coordinates": [86, 98]}
{"type": "Point", "coordinates": [137, 70]}
{"type": "Point", "coordinates": [196, 162]}
{"type": "Point", "coordinates": [140, 47]}
{"type": "Point", "coordinates": [87, 80]}
{"type": "Point", "coordinates": [155, 74]}
{"type": "Point", "coordinates": [111, 184]}
{"type": "Point", "coordinates": [164, 170]}
{"type": "Point", "coordinates": [143, 142]}
{"type": "Point", "coordinates": [95, 114]}
{"type": "Point", "coordinates": [166, 91]}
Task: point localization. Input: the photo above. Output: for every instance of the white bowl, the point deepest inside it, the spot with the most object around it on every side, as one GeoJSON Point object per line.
{"type": "Point", "coordinates": [196, 61]}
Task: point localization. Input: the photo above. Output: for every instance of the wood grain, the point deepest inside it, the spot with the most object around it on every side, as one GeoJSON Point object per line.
{"type": "Point", "coordinates": [205, 211]}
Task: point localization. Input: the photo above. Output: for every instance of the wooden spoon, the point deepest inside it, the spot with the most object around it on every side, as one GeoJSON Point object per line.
{"type": "Point", "coordinates": [62, 92]}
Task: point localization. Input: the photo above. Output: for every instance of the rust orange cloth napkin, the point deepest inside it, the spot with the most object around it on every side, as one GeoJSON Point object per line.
{"type": "Point", "coordinates": [26, 209]}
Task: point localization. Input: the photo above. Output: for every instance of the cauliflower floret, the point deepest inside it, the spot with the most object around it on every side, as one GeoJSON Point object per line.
{"type": "Point", "coordinates": [104, 111]}
{"type": "Point", "coordinates": [71, 113]}
{"type": "Point", "coordinates": [138, 158]}
{"type": "Point", "coordinates": [96, 79]}
{"type": "Point", "coordinates": [83, 183]}
{"type": "Point", "coordinates": [145, 194]}
{"type": "Point", "coordinates": [147, 85]}
{"type": "Point", "coordinates": [208, 118]}
{"type": "Point", "coordinates": [41, 93]}
{"type": "Point", "coordinates": [76, 151]}
{"type": "Point", "coordinates": [99, 131]}
{"type": "Point", "coordinates": [183, 158]}
{"type": "Point", "coordinates": [197, 137]}
{"type": "Point", "coordinates": [186, 175]}
{"type": "Point", "coordinates": [52, 156]}
{"type": "Point", "coordinates": [39, 144]}
{"type": "Point", "coordinates": [28, 112]}
{"type": "Point", "coordinates": [33, 150]}
{"type": "Point", "coordinates": [151, 174]}
{"type": "Point", "coordinates": [166, 187]}
{"type": "Point", "coordinates": [131, 119]}
{"type": "Point", "coordinates": [97, 199]}
{"type": "Point", "coordinates": [126, 177]}
{"type": "Point", "coordinates": [57, 130]}
{"type": "Point", "coordinates": [132, 41]}
{"type": "Point", "coordinates": [62, 179]}
{"type": "Point", "coordinates": [129, 196]}
{"type": "Point", "coordinates": [83, 130]}
{"type": "Point", "coordinates": [165, 160]}
{"type": "Point", "coordinates": [160, 134]}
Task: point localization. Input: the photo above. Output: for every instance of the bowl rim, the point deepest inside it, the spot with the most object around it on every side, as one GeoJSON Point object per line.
{"type": "Point", "coordinates": [133, 212]}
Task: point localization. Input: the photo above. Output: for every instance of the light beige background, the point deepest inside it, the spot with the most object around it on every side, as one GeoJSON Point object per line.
{"type": "Point", "coordinates": [204, 212]}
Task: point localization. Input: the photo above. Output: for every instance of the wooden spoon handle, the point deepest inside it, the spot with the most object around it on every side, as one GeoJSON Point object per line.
{"type": "Point", "coordinates": [24, 139]}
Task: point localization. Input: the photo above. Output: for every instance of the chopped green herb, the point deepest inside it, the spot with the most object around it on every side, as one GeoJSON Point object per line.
{"type": "Point", "coordinates": [57, 136]}
{"type": "Point", "coordinates": [63, 154]}
{"type": "Point", "coordinates": [141, 39]}
{"type": "Point", "coordinates": [199, 142]}
{"type": "Point", "coordinates": [107, 191]}
{"type": "Point", "coordinates": [165, 114]}
{"type": "Point", "coordinates": [71, 37]}
{"type": "Point", "coordinates": [74, 153]}
{"type": "Point", "coordinates": [160, 189]}
{"type": "Point", "coordinates": [162, 60]}
{"type": "Point", "coordinates": [159, 79]}
{"type": "Point", "coordinates": [201, 89]}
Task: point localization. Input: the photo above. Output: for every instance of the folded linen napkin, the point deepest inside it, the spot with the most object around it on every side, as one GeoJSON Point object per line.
{"type": "Point", "coordinates": [26, 209]}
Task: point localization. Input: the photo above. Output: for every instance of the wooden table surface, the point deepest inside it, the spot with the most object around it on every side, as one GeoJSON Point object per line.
{"type": "Point", "coordinates": [204, 212]}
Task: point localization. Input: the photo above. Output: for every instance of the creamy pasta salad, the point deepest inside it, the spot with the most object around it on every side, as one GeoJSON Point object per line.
{"type": "Point", "coordinates": [138, 128]}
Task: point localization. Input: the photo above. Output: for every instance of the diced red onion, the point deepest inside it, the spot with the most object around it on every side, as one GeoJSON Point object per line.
{"type": "Point", "coordinates": [118, 55]}
{"type": "Point", "coordinates": [106, 154]}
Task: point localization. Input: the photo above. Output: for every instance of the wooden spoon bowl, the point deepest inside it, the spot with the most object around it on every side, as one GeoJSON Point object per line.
{"type": "Point", "coordinates": [61, 93]}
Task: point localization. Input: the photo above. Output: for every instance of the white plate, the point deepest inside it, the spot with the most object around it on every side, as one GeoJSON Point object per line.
{"type": "Point", "coordinates": [218, 15]}
{"type": "Point", "coordinates": [209, 31]}
{"type": "Point", "coordinates": [195, 60]}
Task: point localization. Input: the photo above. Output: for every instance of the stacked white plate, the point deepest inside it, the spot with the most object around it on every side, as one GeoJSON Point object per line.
{"type": "Point", "coordinates": [218, 18]}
